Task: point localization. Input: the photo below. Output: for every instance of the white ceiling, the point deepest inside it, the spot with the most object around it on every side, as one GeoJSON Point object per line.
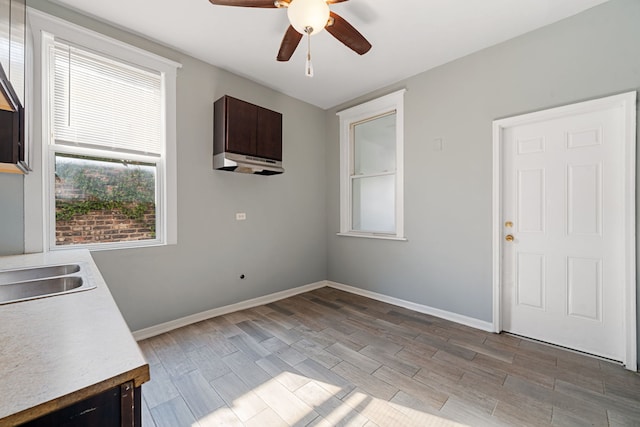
{"type": "Point", "coordinates": [408, 37]}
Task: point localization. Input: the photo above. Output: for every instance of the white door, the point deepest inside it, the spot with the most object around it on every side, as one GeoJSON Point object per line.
{"type": "Point", "coordinates": [563, 203]}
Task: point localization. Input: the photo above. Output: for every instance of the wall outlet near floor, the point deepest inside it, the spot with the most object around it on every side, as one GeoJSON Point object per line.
{"type": "Point", "coordinates": [241, 216]}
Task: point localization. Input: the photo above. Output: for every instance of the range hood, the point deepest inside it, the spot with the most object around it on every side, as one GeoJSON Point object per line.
{"type": "Point", "coordinates": [246, 138]}
{"type": "Point", "coordinates": [246, 164]}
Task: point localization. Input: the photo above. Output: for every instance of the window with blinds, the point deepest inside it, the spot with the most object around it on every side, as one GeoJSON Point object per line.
{"type": "Point", "coordinates": [107, 149]}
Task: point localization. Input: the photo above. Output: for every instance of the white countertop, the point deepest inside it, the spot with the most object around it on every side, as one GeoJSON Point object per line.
{"type": "Point", "coordinates": [59, 350]}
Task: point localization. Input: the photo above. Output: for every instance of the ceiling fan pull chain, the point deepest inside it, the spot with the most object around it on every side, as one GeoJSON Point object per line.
{"type": "Point", "coordinates": [308, 66]}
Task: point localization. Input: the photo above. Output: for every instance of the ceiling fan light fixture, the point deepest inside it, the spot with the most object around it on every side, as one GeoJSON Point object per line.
{"type": "Point", "coordinates": [304, 14]}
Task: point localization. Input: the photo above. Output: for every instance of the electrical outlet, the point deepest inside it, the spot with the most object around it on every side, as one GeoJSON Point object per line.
{"type": "Point", "coordinates": [241, 216]}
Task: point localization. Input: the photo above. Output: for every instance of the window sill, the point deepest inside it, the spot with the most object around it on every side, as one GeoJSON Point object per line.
{"type": "Point", "coordinates": [373, 236]}
{"type": "Point", "coordinates": [110, 247]}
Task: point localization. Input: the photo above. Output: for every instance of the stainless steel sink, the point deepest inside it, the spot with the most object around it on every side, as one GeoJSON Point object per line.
{"type": "Point", "coordinates": [24, 274]}
{"type": "Point", "coordinates": [38, 288]}
{"type": "Point", "coordinates": [40, 282]}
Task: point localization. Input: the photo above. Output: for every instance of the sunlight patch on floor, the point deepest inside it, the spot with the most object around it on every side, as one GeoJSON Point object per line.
{"type": "Point", "coordinates": [221, 417]}
{"type": "Point", "coordinates": [299, 400]}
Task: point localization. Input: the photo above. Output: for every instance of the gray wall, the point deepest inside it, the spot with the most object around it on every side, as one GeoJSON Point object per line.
{"type": "Point", "coordinates": [447, 261]}
{"type": "Point", "coordinates": [281, 245]}
{"type": "Point", "coordinates": [11, 214]}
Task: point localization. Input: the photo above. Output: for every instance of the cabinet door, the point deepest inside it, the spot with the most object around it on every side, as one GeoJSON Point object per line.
{"type": "Point", "coordinates": [16, 48]}
{"type": "Point", "coordinates": [269, 134]}
{"type": "Point", "coordinates": [116, 407]}
{"type": "Point", "coordinates": [5, 32]}
{"type": "Point", "coordinates": [241, 129]}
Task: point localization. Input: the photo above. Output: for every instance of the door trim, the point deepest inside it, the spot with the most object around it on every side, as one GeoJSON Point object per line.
{"type": "Point", "coordinates": [627, 103]}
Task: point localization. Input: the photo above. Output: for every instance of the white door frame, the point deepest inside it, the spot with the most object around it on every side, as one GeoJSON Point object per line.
{"type": "Point", "coordinates": [627, 103]}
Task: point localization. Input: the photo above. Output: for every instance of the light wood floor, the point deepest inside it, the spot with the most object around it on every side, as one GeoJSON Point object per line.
{"type": "Point", "coordinates": [330, 358]}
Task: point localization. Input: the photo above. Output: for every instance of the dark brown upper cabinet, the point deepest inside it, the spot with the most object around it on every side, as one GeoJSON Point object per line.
{"type": "Point", "coordinates": [13, 147]}
{"type": "Point", "coordinates": [244, 128]}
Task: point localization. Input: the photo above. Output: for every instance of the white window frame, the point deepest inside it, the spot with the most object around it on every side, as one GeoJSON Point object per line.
{"type": "Point", "coordinates": [348, 118]}
{"type": "Point", "coordinates": [39, 220]}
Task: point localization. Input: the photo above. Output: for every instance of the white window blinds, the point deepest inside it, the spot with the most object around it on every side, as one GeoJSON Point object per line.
{"type": "Point", "coordinates": [106, 104]}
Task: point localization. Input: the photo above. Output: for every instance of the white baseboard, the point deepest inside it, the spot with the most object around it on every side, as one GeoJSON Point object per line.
{"type": "Point", "coordinates": [443, 314]}
{"type": "Point", "coordinates": [220, 311]}
{"type": "Point", "coordinates": [152, 331]}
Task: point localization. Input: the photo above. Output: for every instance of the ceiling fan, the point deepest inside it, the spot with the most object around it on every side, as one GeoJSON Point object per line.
{"type": "Point", "coordinates": [308, 17]}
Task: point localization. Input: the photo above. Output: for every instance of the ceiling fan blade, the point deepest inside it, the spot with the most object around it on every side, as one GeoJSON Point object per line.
{"type": "Point", "coordinates": [343, 31]}
{"type": "Point", "coordinates": [335, 1]}
{"type": "Point", "coordinates": [289, 44]}
{"type": "Point", "coordinates": [245, 3]}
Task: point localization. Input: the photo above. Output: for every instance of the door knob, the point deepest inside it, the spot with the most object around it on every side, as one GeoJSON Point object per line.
{"type": "Point", "coordinates": [508, 238]}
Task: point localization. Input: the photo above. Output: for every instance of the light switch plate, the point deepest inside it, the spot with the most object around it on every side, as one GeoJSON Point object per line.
{"type": "Point", "coordinates": [241, 216]}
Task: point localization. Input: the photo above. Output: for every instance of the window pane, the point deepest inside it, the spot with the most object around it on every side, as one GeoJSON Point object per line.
{"type": "Point", "coordinates": [373, 204]}
{"type": "Point", "coordinates": [103, 201]}
{"type": "Point", "coordinates": [375, 145]}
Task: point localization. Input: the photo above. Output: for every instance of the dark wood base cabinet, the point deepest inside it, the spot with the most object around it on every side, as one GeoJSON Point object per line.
{"type": "Point", "coordinates": [119, 406]}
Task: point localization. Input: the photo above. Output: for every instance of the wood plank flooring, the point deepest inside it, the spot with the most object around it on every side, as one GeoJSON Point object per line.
{"type": "Point", "coordinates": [330, 358]}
